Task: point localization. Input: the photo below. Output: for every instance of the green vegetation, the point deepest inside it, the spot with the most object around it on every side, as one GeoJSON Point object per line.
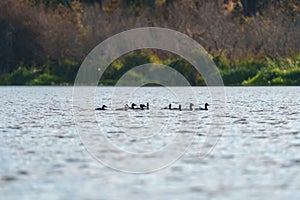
{"type": "Point", "coordinates": [277, 72]}
{"type": "Point", "coordinates": [43, 42]}
{"type": "Point", "coordinates": [62, 74]}
{"type": "Point", "coordinates": [283, 71]}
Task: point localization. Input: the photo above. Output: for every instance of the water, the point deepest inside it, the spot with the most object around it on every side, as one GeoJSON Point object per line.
{"type": "Point", "coordinates": [256, 157]}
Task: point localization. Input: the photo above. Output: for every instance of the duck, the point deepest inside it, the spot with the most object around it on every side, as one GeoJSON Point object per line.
{"type": "Point", "coordinates": [205, 107]}
{"type": "Point", "coordinates": [170, 107]}
{"type": "Point", "coordinates": [142, 106]}
{"type": "Point", "coordinates": [167, 108]}
{"type": "Point", "coordinates": [132, 106]}
{"type": "Point", "coordinates": [179, 108]}
{"type": "Point", "coordinates": [102, 108]}
{"type": "Point", "coordinates": [191, 106]}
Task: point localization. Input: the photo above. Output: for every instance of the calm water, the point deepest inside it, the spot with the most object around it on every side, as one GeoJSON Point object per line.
{"type": "Point", "coordinates": [256, 156]}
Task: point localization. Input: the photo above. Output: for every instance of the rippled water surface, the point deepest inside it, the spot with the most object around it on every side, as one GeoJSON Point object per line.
{"type": "Point", "coordinates": [256, 155]}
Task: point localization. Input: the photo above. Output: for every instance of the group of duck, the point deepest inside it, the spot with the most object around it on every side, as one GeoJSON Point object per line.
{"type": "Point", "coordinates": [146, 107]}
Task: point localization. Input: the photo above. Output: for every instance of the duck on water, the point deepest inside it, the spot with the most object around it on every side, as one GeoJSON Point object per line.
{"type": "Point", "coordinates": [191, 108]}
{"type": "Point", "coordinates": [133, 107]}
{"type": "Point", "coordinates": [142, 107]}
{"type": "Point", "coordinates": [126, 107]}
{"type": "Point", "coordinates": [200, 108]}
{"type": "Point", "coordinates": [170, 107]}
{"type": "Point", "coordinates": [102, 108]}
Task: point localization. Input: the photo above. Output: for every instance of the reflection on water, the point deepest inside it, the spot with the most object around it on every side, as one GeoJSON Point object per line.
{"type": "Point", "coordinates": [257, 154]}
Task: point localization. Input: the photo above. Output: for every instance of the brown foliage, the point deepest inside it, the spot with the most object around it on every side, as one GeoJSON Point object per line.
{"type": "Point", "coordinates": [31, 33]}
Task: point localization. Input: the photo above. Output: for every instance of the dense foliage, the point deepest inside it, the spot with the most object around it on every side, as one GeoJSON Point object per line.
{"type": "Point", "coordinates": [252, 42]}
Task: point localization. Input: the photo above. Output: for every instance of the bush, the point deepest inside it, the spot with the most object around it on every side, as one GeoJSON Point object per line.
{"type": "Point", "coordinates": [43, 79]}
{"type": "Point", "coordinates": [188, 71]}
{"type": "Point", "coordinates": [236, 73]}
{"type": "Point", "coordinates": [23, 76]}
{"type": "Point", "coordinates": [277, 72]}
{"type": "Point", "coordinates": [19, 76]}
{"type": "Point", "coordinates": [66, 70]}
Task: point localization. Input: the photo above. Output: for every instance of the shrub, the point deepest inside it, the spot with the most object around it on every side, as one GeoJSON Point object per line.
{"type": "Point", "coordinates": [43, 79]}
{"type": "Point", "coordinates": [20, 76]}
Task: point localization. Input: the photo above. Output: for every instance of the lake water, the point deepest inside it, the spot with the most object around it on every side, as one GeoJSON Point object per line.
{"type": "Point", "coordinates": [252, 154]}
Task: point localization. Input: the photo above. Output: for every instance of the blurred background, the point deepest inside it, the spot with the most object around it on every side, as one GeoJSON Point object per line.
{"type": "Point", "coordinates": [43, 42]}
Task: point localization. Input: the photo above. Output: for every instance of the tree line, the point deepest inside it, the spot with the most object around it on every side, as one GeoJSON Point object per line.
{"type": "Point", "coordinates": [52, 37]}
